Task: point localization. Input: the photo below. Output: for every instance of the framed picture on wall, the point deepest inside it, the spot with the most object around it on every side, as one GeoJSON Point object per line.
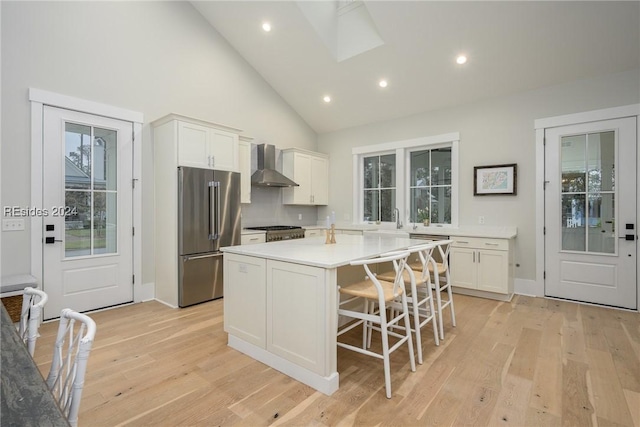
{"type": "Point", "coordinates": [495, 180]}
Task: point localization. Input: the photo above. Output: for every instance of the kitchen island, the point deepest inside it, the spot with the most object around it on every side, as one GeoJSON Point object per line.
{"type": "Point", "coordinates": [280, 301]}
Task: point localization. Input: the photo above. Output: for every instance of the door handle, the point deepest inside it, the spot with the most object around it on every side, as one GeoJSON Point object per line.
{"type": "Point", "coordinates": [214, 210]}
{"type": "Point", "coordinates": [51, 240]}
{"type": "Point", "coordinates": [628, 237]}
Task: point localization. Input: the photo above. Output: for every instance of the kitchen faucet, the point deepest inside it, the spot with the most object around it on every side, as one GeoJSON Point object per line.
{"type": "Point", "coordinates": [396, 213]}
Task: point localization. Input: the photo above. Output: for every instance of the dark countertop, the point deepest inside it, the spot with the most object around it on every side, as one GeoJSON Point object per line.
{"type": "Point", "coordinates": [26, 399]}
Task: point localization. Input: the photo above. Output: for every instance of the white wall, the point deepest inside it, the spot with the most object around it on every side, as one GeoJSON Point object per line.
{"type": "Point", "coordinates": [492, 132]}
{"type": "Point", "coordinates": [151, 57]}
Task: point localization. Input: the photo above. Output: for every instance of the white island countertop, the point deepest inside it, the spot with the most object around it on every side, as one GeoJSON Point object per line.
{"type": "Point", "coordinates": [314, 252]}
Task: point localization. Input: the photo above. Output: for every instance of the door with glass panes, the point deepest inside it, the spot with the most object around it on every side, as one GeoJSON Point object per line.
{"type": "Point", "coordinates": [590, 212]}
{"type": "Point", "coordinates": [87, 192]}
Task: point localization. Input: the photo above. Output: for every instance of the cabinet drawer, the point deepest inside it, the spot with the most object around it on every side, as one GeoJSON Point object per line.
{"type": "Point", "coordinates": [250, 239]}
{"type": "Point", "coordinates": [313, 232]}
{"type": "Point", "coordinates": [480, 243]}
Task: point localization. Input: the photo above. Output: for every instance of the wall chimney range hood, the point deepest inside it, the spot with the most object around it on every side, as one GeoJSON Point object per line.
{"type": "Point", "coordinates": [267, 175]}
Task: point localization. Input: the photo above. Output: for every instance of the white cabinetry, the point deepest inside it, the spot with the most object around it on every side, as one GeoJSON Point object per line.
{"type": "Point", "coordinates": [482, 264]}
{"type": "Point", "coordinates": [253, 238]}
{"type": "Point", "coordinates": [244, 165]}
{"type": "Point", "coordinates": [313, 232]}
{"type": "Point", "coordinates": [182, 141]}
{"type": "Point", "coordinates": [258, 309]}
{"type": "Point", "coordinates": [203, 144]}
{"type": "Point", "coordinates": [245, 298]}
{"type": "Point", "coordinates": [311, 172]}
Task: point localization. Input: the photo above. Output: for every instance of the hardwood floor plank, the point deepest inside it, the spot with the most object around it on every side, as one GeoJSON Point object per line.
{"type": "Point", "coordinates": [633, 403]}
{"type": "Point", "coordinates": [577, 409]}
{"type": "Point", "coordinates": [526, 354]}
{"type": "Point", "coordinates": [512, 402]}
{"type": "Point", "coordinates": [609, 398]}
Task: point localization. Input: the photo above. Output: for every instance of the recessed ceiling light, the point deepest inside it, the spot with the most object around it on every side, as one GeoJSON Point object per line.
{"type": "Point", "coordinates": [326, 98]}
{"type": "Point", "coordinates": [382, 83]}
{"type": "Point", "coordinates": [266, 26]}
{"type": "Point", "coordinates": [461, 59]}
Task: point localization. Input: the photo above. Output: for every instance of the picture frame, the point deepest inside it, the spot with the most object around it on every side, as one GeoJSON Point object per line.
{"type": "Point", "coordinates": [495, 180]}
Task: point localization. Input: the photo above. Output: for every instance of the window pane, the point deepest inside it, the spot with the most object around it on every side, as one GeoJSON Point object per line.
{"type": "Point", "coordinates": [420, 204]}
{"type": "Point", "coordinates": [419, 168]}
{"type": "Point", "coordinates": [441, 205]}
{"type": "Point", "coordinates": [441, 166]}
{"type": "Point", "coordinates": [371, 205]}
{"type": "Point", "coordinates": [601, 223]}
{"type": "Point", "coordinates": [77, 162]}
{"type": "Point", "coordinates": [371, 172]}
{"type": "Point", "coordinates": [104, 222]}
{"type": "Point", "coordinates": [77, 241]}
{"type": "Point", "coordinates": [388, 171]}
{"type": "Point", "coordinates": [387, 205]}
{"type": "Point", "coordinates": [601, 161]}
{"type": "Point", "coordinates": [104, 159]}
{"type": "Point", "coordinates": [573, 163]}
{"type": "Point", "coordinates": [573, 222]}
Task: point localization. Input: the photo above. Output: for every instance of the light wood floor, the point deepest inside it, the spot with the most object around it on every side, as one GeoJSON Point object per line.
{"type": "Point", "coordinates": [532, 362]}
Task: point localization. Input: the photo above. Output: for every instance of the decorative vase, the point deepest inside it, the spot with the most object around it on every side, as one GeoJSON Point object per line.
{"type": "Point", "coordinates": [426, 222]}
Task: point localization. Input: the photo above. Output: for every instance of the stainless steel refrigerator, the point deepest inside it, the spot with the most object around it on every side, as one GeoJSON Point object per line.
{"type": "Point", "coordinates": [208, 219]}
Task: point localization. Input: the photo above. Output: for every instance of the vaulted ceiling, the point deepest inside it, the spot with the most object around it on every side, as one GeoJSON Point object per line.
{"type": "Point", "coordinates": [510, 46]}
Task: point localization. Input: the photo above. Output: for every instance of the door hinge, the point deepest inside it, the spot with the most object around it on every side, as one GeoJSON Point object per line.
{"type": "Point", "coordinates": [544, 230]}
{"type": "Point", "coordinates": [544, 140]}
{"type": "Point", "coordinates": [133, 279]}
{"type": "Point", "coordinates": [133, 182]}
{"type": "Point", "coordinates": [133, 231]}
{"type": "Point", "coordinates": [544, 275]}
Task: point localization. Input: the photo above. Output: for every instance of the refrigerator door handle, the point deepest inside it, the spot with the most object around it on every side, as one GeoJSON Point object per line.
{"type": "Point", "coordinates": [190, 258]}
{"type": "Point", "coordinates": [214, 210]}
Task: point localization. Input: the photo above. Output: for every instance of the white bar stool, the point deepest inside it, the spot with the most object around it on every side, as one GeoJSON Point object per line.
{"type": "Point", "coordinates": [33, 300]}
{"type": "Point", "coordinates": [373, 291]}
{"type": "Point", "coordinates": [420, 298]}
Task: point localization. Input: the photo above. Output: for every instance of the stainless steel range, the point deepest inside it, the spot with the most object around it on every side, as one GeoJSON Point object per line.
{"type": "Point", "coordinates": [281, 232]}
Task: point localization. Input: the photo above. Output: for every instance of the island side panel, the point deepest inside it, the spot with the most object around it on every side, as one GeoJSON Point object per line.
{"type": "Point", "coordinates": [245, 298]}
{"type": "Point", "coordinates": [299, 315]}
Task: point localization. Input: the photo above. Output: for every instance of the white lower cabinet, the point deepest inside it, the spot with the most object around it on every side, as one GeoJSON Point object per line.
{"type": "Point", "coordinates": [482, 264]}
{"type": "Point", "coordinates": [245, 297]}
{"type": "Point", "coordinates": [296, 332]}
{"type": "Point", "coordinates": [258, 308]}
{"type": "Point", "coordinates": [253, 238]}
{"type": "Point", "coordinates": [313, 232]}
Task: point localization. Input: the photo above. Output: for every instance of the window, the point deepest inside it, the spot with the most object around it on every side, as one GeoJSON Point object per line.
{"type": "Point", "coordinates": [430, 186]}
{"type": "Point", "coordinates": [379, 192]}
{"type": "Point", "coordinates": [418, 177]}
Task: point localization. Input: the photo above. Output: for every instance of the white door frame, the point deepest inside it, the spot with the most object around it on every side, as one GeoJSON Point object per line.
{"type": "Point", "coordinates": [40, 98]}
{"type": "Point", "coordinates": [572, 119]}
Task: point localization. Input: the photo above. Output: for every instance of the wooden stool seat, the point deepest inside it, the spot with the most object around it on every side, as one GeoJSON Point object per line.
{"type": "Point", "coordinates": [366, 289]}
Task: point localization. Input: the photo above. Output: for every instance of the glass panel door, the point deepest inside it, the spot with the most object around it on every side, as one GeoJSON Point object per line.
{"type": "Point", "coordinates": [90, 182]}
{"type": "Point", "coordinates": [588, 192]}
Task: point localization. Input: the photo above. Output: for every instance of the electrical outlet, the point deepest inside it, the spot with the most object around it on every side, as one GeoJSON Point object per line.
{"type": "Point", "coordinates": [13, 224]}
{"type": "Point", "coordinates": [480, 220]}
{"type": "Point", "coordinates": [299, 217]}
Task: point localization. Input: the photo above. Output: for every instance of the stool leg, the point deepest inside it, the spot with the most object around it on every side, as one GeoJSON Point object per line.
{"type": "Point", "coordinates": [385, 350]}
{"type": "Point", "coordinates": [450, 292]}
{"type": "Point", "coordinates": [407, 327]}
{"type": "Point", "coordinates": [436, 278]}
{"type": "Point", "coordinates": [416, 321]}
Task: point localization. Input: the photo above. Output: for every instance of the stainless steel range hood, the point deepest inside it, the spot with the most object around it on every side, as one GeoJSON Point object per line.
{"type": "Point", "coordinates": [267, 175]}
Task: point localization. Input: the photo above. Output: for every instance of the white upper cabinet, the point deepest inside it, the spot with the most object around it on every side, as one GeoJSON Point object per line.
{"type": "Point", "coordinates": [203, 144]}
{"type": "Point", "coordinates": [244, 165]}
{"type": "Point", "coordinates": [311, 172]}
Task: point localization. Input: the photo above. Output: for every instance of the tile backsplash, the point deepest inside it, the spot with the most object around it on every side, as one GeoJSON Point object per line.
{"type": "Point", "coordinates": [266, 208]}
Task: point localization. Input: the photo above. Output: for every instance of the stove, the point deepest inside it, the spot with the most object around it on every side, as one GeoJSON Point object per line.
{"type": "Point", "coordinates": [281, 232]}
